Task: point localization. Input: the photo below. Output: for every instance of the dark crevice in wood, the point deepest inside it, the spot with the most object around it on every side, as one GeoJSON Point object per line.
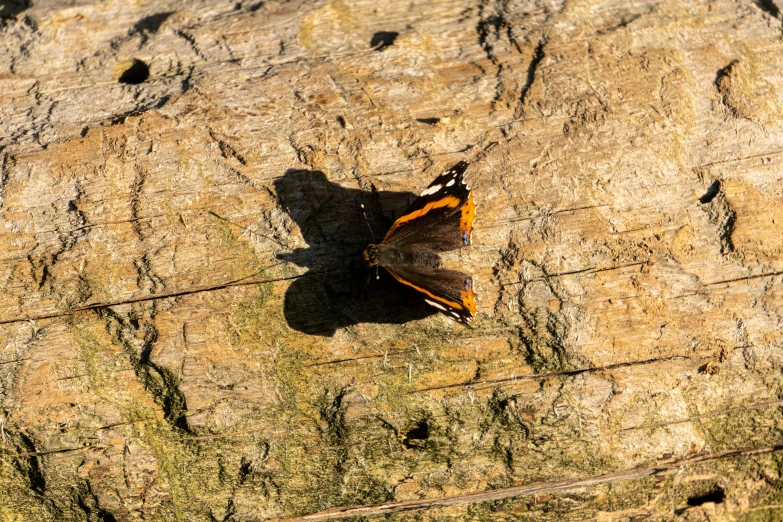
{"type": "Point", "coordinates": [538, 56]}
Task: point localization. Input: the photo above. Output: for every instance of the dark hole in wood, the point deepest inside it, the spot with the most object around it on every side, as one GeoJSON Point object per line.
{"type": "Point", "coordinates": [428, 121]}
{"type": "Point", "coordinates": [11, 8]}
{"type": "Point", "coordinates": [383, 39]}
{"type": "Point", "coordinates": [717, 496]}
{"type": "Point", "coordinates": [419, 432]}
{"type": "Point", "coordinates": [137, 72]}
{"type": "Point", "coordinates": [712, 191]}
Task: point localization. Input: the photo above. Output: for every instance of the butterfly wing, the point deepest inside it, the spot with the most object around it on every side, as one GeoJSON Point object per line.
{"type": "Point", "coordinates": [442, 217]}
{"type": "Point", "coordinates": [449, 291]}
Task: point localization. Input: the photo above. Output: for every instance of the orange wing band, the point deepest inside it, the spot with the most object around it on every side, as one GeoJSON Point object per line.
{"type": "Point", "coordinates": [452, 304]}
{"type": "Point", "coordinates": [466, 221]}
{"type": "Point", "coordinates": [469, 301]}
{"type": "Point", "coordinates": [448, 202]}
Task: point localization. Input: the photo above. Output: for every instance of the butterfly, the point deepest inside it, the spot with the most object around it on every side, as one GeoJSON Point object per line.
{"type": "Point", "coordinates": [439, 220]}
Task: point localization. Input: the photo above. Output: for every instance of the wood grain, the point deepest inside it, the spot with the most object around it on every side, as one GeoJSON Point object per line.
{"type": "Point", "coordinates": [185, 330]}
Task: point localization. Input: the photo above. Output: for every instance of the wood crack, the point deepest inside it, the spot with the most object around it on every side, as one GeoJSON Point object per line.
{"type": "Point", "coordinates": [590, 270]}
{"type": "Point", "coordinates": [714, 413]}
{"type": "Point", "coordinates": [152, 297]}
{"type": "Point", "coordinates": [528, 489]}
{"type": "Point", "coordinates": [747, 278]}
{"type": "Point", "coordinates": [540, 376]}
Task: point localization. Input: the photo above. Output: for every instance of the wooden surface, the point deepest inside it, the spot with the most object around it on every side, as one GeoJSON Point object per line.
{"type": "Point", "coordinates": [626, 360]}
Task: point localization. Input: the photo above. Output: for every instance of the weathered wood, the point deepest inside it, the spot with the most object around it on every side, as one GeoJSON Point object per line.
{"type": "Point", "coordinates": [628, 257]}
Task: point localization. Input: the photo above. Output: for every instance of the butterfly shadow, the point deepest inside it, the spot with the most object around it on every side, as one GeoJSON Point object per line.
{"type": "Point", "coordinates": [339, 290]}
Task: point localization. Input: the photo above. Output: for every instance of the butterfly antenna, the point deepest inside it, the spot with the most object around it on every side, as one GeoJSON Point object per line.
{"type": "Point", "coordinates": [375, 241]}
{"type": "Point", "coordinates": [368, 223]}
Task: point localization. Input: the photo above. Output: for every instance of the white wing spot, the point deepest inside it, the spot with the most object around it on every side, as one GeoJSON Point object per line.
{"type": "Point", "coordinates": [450, 183]}
{"type": "Point", "coordinates": [431, 190]}
{"type": "Point", "coordinates": [436, 305]}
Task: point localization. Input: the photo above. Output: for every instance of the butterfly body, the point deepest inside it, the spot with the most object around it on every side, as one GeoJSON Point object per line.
{"type": "Point", "coordinates": [439, 220]}
{"type": "Point", "coordinates": [391, 255]}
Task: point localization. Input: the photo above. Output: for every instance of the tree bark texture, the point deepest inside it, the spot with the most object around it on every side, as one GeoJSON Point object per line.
{"type": "Point", "coordinates": [186, 328]}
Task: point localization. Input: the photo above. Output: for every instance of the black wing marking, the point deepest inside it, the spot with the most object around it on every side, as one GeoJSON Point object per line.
{"type": "Point", "coordinates": [449, 291]}
{"type": "Point", "coordinates": [441, 217]}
